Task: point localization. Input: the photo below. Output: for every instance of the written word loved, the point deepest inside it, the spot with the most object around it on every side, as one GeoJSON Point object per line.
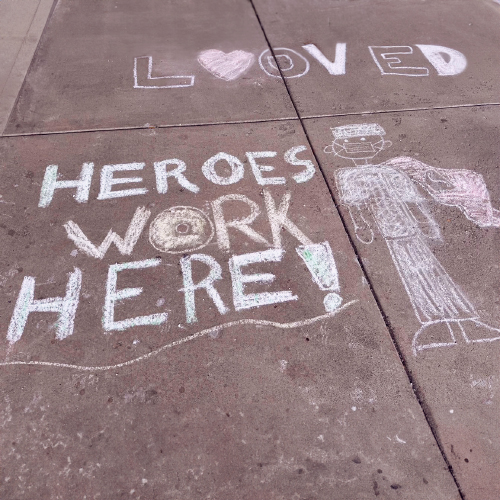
{"type": "Point", "coordinates": [402, 60]}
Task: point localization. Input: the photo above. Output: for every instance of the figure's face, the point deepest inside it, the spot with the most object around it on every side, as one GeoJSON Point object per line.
{"type": "Point", "coordinates": [361, 147]}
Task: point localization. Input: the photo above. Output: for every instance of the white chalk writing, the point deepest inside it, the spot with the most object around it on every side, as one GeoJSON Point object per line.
{"type": "Point", "coordinates": [291, 63]}
{"type": "Point", "coordinates": [248, 301]}
{"type": "Point", "coordinates": [207, 284]}
{"type": "Point", "coordinates": [143, 79]}
{"type": "Point", "coordinates": [113, 295]}
{"type": "Point", "coordinates": [50, 184]}
{"type": "Point", "coordinates": [65, 307]}
{"type": "Point", "coordinates": [124, 245]}
{"type": "Point", "coordinates": [227, 67]}
{"type": "Point", "coordinates": [337, 67]}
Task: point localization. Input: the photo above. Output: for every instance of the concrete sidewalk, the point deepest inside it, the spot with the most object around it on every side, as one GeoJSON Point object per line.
{"type": "Point", "coordinates": [250, 250]}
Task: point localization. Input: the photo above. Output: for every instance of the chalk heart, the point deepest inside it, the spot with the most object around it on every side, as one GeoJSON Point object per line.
{"type": "Point", "coordinates": [227, 67]}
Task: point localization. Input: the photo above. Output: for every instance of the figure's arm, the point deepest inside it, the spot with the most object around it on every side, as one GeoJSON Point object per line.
{"type": "Point", "coordinates": [364, 232]}
{"type": "Point", "coordinates": [429, 177]}
{"type": "Point", "coordinates": [460, 188]}
{"type": "Point", "coordinates": [353, 188]}
{"type": "Point", "coordinates": [435, 182]}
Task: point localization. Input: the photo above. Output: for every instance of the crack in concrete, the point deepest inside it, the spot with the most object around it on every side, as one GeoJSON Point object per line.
{"type": "Point", "coordinates": [149, 127]}
{"type": "Point", "coordinates": [416, 390]}
{"type": "Point", "coordinates": [404, 110]}
{"type": "Point", "coordinates": [241, 122]}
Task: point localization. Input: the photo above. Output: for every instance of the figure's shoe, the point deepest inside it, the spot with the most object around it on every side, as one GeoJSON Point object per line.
{"type": "Point", "coordinates": [474, 330]}
{"type": "Point", "coordinates": [444, 333]}
{"type": "Point", "coordinates": [435, 334]}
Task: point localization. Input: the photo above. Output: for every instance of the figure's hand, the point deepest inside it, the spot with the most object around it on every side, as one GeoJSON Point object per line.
{"type": "Point", "coordinates": [362, 227]}
{"type": "Point", "coordinates": [437, 182]}
{"type": "Point", "coordinates": [364, 234]}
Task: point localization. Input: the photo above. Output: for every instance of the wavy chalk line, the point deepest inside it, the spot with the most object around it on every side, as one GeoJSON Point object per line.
{"type": "Point", "coordinates": [194, 336]}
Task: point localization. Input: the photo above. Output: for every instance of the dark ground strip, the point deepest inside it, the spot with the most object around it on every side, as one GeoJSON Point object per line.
{"type": "Point", "coordinates": [414, 385]}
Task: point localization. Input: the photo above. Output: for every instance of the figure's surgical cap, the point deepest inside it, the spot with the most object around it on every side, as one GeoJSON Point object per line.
{"type": "Point", "coordinates": [357, 130]}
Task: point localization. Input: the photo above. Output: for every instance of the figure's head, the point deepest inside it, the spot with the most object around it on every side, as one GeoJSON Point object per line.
{"type": "Point", "coordinates": [358, 142]}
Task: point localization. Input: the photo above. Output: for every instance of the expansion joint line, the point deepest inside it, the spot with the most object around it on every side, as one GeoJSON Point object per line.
{"type": "Point", "coordinates": [416, 390]}
{"type": "Point", "coordinates": [242, 122]}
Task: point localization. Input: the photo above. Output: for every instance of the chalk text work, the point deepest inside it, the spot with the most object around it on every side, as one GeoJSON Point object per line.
{"type": "Point", "coordinates": [156, 246]}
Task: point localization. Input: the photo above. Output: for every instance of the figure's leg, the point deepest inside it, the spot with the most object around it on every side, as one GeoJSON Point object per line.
{"type": "Point", "coordinates": [438, 302]}
{"type": "Point", "coordinates": [432, 292]}
{"type": "Point", "coordinates": [434, 334]}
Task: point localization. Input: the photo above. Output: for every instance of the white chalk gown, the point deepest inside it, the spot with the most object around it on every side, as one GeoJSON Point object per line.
{"type": "Point", "coordinates": [386, 195]}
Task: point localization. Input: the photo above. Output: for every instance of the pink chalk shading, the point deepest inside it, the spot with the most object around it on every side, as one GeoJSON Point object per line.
{"type": "Point", "coordinates": [464, 189]}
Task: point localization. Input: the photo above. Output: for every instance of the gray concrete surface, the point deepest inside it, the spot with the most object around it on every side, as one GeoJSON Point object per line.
{"type": "Point", "coordinates": [294, 404]}
{"type": "Point", "coordinates": [373, 374]}
{"type": "Point", "coordinates": [413, 82]}
{"type": "Point", "coordinates": [457, 382]}
{"type": "Point", "coordinates": [21, 25]}
{"type": "Point", "coordinates": [83, 77]}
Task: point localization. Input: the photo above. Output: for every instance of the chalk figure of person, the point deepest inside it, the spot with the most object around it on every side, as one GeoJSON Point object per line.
{"type": "Point", "coordinates": [385, 197]}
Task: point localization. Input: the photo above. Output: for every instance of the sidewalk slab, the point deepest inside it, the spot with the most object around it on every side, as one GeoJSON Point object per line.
{"type": "Point", "coordinates": [115, 65]}
{"type": "Point", "coordinates": [424, 216]}
{"type": "Point", "coordinates": [21, 25]}
{"type": "Point", "coordinates": [460, 40]}
{"type": "Point", "coordinates": [278, 380]}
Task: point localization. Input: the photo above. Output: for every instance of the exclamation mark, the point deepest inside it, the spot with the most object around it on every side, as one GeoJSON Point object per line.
{"type": "Point", "coordinates": [321, 264]}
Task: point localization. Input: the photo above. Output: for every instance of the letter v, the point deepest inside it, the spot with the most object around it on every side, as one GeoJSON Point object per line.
{"type": "Point", "coordinates": [334, 68]}
{"type": "Point", "coordinates": [124, 245]}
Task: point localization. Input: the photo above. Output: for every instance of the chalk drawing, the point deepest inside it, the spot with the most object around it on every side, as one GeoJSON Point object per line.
{"type": "Point", "coordinates": [180, 229]}
{"type": "Point", "coordinates": [124, 245]}
{"type": "Point", "coordinates": [65, 307]}
{"type": "Point", "coordinates": [337, 67]}
{"type": "Point", "coordinates": [388, 62]}
{"type": "Point", "coordinates": [227, 67]}
{"type": "Point", "coordinates": [113, 296]}
{"type": "Point", "coordinates": [143, 69]}
{"type": "Point", "coordinates": [390, 59]}
{"type": "Point", "coordinates": [448, 62]}
{"type": "Point", "coordinates": [258, 169]}
{"type": "Point", "coordinates": [387, 196]}
{"type": "Point", "coordinates": [162, 175]}
{"type": "Point", "coordinates": [242, 224]}
{"type": "Point", "coordinates": [189, 338]}
{"type": "Point", "coordinates": [237, 169]}
{"type": "Point", "coordinates": [50, 184]}
{"type": "Point", "coordinates": [215, 169]}
{"type": "Point", "coordinates": [463, 189]}
{"type": "Point", "coordinates": [279, 220]}
{"type": "Point", "coordinates": [108, 181]}
{"type": "Point", "coordinates": [291, 157]}
{"type": "Point", "coordinates": [277, 216]}
{"type": "Point", "coordinates": [207, 283]}
{"type": "Point", "coordinates": [251, 300]}
{"type": "Point", "coordinates": [291, 63]}
{"type": "Point", "coordinates": [319, 260]}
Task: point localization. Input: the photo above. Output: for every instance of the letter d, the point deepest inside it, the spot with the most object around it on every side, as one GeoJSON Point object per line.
{"type": "Point", "coordinates": [436, 54]}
